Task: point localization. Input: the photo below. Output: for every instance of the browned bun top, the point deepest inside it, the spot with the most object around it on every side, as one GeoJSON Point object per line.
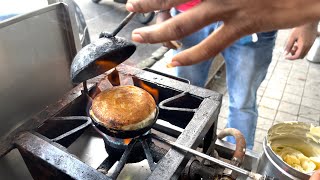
{"type": "Point", "coordinates": [123, 107]}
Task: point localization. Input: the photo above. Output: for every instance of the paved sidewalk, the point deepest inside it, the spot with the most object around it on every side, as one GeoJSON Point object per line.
{"type": "Point", "coordinates": [290, 92]}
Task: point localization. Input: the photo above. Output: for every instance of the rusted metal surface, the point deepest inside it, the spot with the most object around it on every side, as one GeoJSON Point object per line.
{"type": "Point", "coordinates": [204, 117]}
{"type": "Point", "coordinates": [6, 141]}
{"type": "Point", "coordinates": [125, 80]}
{"type": "Point", "coordinates": [169, 82]}
{"type": "Point", "coordinates": [104, 84]}
{"type": "Point", "coordinates": [194, 170]}
{"type": "Point", "coordinates": [171, 165]}
{"type": "Point", "coordinates": [196, 125]}
{"type": "Point", "coordinates": [55, 163]}
{"type": "Point", "coordinates": [173, 162]}
{"type": "Point", "coordinates": [226, 150]}
{"type": "Point", "coordinates": [219, 162]}
{"type": "Point", "coordinates": [240, 151]}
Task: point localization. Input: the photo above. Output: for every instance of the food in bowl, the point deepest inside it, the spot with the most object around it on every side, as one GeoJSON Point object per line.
{"type": "Point", "coordinates": [296, 159]}
{"type": "Point", "coordinates": [297, 144]}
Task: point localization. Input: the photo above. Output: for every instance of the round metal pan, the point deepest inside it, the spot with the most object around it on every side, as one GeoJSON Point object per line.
{"type": "Point", "coordinates": [99, 57]}
{"type": "Point", "coordinates": [102, 55]}
{"type": "Point", "coordinates": [122, 133]}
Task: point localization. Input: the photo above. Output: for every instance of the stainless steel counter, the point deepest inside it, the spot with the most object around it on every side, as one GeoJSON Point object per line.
{"type": "Point", "coordinates": [36, 50]}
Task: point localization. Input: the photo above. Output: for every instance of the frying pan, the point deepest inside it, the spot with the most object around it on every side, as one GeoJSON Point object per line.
{"type": "Point", "coordinates": [124, 134]}
{"type": "Point", "coordinates": [102, 55]}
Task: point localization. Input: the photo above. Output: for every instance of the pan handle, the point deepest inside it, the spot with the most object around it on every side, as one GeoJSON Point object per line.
{"type": "Point", "coordinates": [120, 26]}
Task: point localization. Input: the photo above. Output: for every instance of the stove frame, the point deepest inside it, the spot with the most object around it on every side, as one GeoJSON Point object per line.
{"type": "Point", "coordinates": [36, 148]}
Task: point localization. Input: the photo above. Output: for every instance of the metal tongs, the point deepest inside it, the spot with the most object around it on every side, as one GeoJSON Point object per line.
{"type": "Point", "coordinates": [102, 55]}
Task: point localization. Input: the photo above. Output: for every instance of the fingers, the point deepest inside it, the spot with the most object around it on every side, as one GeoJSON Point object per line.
{"type": "Point", "coordinates": [208, 48]}
{"type": "Point", "coordinates": [292, 39]}
{"type": "Point", "coordinates": [300, 41]}
{"type": "Point", "coordinates": [299, 50]}
{"type": "Point", "coordinates": [298, 53]}
{"type": "Point", "coordinates": [304, 51]}
{"type": "Point", "coordinates": [292, 51]}
{"type": "Point", "coordinates": [143, 6]}
{"type": "Point", "coordinates": [315, 176]}
{"type": "Point", "coordinates": [179, 26]}
{"type": "Point", "coordinates": [163, 16]}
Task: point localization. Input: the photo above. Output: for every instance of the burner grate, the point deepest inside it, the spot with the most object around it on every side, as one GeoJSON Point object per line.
{"type": "Point", "coordinates": [42, 141]}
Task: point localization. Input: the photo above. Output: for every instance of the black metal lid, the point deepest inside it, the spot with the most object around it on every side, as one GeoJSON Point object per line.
{"type": "Point", "coordinates": [99, 57]}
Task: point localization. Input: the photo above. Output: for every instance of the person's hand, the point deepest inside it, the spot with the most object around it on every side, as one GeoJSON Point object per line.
{"type": "Point", "coordinates": [315, 175]}
{"type": "Point", "coordinates": [240, 17]}
{"type": "Point", "coordinates": [301, 40]}
{"type": "Point", "coordinates": [161, 17]}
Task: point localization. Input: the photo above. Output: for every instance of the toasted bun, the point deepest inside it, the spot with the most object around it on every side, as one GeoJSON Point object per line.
{"type": "Point", "coordinates": [124, 108]}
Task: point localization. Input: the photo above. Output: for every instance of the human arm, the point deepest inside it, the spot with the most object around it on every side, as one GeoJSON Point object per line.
{"type": "Point", "coordinates": [240, 17]}
{"type": "Point", "coordinates": [300, 41]}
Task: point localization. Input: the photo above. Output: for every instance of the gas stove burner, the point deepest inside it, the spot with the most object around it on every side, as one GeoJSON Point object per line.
{"type": "Point", "coordinates": [117, 143]}
{"type": "Point", "coordinates": [187, 115]}
{"type": "Point", "coordinates": [116, 147]}
{"type": "Point", "coordinates": [113, 142]}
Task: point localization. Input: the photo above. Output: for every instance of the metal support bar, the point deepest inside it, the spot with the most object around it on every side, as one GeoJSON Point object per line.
{"type": "Point", "coordinates": [41, 154]}
{"type": "Point", "coordinates": [123, 159]}
{"type": "Point", "coordinates": [84, 118]}
{"type": "Point", "coordinates": [148, 154]}
{"type": "Point", "coordinates": [252, 175]}
{"type": "Point", "coordinates": [85, 87]}
{"type": "Point", "coordinates": [166, 127]}
{"type": "Point", "coordinates": [106, 165]}
{"type": "Point", "coordinates": [163, 106]}
{"type": "Point", "coordinates": [209, 139]}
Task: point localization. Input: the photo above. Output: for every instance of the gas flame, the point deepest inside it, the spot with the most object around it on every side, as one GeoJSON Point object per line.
{"type": "Point", "coordinates": [118, 141]}
{"type": "Point", "coordinates": [127, 141]}
{"type": "Point", "coordinates": [105, 64]}
{"type": "Point", "coordinates": [153, 91]}
{"type": "Point", "coordinates": [114, 78]}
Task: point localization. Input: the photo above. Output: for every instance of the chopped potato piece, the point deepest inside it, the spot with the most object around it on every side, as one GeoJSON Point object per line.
{"type": "Point", "coordinates": [316, 161]}
{"type": "Point", "coordinates": [296, 159]}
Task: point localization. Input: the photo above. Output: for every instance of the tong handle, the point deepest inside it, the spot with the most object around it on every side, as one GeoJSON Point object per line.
{"type": "Point", "coordinates": [120, 26]}
{"type": "Point", "coordinates": [123, 23]}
